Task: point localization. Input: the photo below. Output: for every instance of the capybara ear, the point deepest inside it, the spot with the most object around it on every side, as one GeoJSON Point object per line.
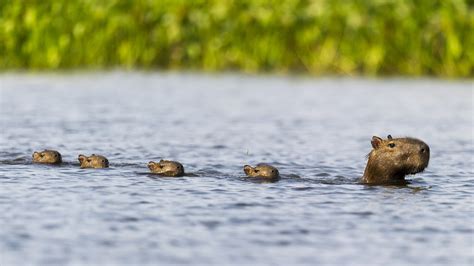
{"type": "Point", "coordinates": [152, 164]}
{"type": "Point", "coordinates": [248, 169]}
{"type": "Point", "coordinates": [389, 137]}
{"type": "Point", "coordinates": [376, 141]}
{"type": "Point", "coordinates": [35, 154]}
{"type": "Point", "coordinates": [81, 158]}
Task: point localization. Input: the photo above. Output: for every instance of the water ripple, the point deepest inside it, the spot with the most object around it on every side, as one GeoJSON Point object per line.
{"type": "Point", "coordinates": [316, 132]}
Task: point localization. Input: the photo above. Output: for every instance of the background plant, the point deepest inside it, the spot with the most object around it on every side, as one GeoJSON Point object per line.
{"type": "Point", "coordinates": [369, 37]}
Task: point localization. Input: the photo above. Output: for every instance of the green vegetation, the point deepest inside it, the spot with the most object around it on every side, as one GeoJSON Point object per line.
{"type": "Point", "coordinates": [369, 37]}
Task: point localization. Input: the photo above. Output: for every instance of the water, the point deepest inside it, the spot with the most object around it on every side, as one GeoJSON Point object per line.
{"type": "Point", "coordinates": [316, 131]}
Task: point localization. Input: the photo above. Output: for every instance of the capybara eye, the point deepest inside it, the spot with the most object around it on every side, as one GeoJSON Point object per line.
{"type": "Point", "coordinates": [391, 145]}
{"type": "Point", "coordinates": [103, 160]}
{"type": "Point", "coordinates": [55, 155]}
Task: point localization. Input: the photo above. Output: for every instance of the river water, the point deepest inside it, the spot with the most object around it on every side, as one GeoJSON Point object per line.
{"type": "Point", "coordinates": [316, 131]}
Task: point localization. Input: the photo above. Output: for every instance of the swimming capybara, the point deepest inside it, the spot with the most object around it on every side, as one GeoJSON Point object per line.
{"type": "Point", "coordinates": [392, 159]}
{"type": "Point", "coordinates": [47, 156]}
{"type": "Point", "coordinates": [93, 161]}
{"type": "Point", "coordinates": [263, 171]}
{"type": "Point", "coordinates": [166, 168]}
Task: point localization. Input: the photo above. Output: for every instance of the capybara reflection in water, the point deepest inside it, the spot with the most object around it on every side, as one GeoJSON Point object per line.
{"type": "Point", "coordinates": [47, 156]}
{"type": "Point", "coordinates": [393, 158]}
{"type": "Point", "coordinates": [262, 171]}
{"type": "Point", "coordinates": [93, 161]}
{"type": "Point", "coordinates": [166, 168]}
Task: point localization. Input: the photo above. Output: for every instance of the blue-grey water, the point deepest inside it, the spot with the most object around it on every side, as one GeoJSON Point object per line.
{"type": "Point", "coordinates": [316, 131]}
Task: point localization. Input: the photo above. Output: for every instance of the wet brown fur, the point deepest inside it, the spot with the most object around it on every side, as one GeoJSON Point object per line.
{"type": "Point", "coordinates": [93, 161]}
{"type": "Point", "coordinates": [166, 168]}
{"type": "Point", "coordinates": [392, 159]}
{"type": "Point", "coordinates": [47, 156]}
{"type": "Point", "coordinates": [262, 170]}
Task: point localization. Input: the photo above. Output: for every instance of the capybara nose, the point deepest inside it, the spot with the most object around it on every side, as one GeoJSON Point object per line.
{"type": "Point", "coordinates": [424, 149]}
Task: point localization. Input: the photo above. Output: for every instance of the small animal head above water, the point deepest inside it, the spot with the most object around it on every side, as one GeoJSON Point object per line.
{"type": "Point", "coordinates": [393, 158]}
{"type": "Point", "coordinates": [47, 156]}
{"type": "Point", "coordinates": [166, 168]}
{"type": "Point", "coordinates": [262, 170]}
{"type": "Point", "coordinates": [93, 161]}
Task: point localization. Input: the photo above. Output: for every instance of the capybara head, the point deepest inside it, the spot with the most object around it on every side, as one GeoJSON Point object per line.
{"type": "Point", "coordinates": [47, 156]}
{"type": "Point", "coordinates": [166, 168]}
{"type": "Point", "coordinates": [391, 159]}
{"type": "Point", "coordinates": [93, 161]}
{"type": "Point", "coordinates": [262, 170]}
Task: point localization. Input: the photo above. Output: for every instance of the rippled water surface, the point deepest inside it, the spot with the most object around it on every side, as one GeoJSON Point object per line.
{"type": "Point", "coordinates": [316, 131]}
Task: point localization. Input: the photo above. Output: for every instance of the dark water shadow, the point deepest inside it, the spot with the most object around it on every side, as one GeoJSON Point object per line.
{"type": "Point", "coordinates": [337, 180]}
{"type": "Point", "coordinates": [160, 176]}
{"type": "Point", "coordinates": [290, 176]}
{"type": "Point", "coordinates": [24, 161]}
{"type": "Point", "coordinates": [321, 178]}
{"type": "Point", "coordinates": [258, 180]}
{"type": "Point", "coordinates": [17, 161]}
{"type": "Point", "coordinates": [208, 172]}
{"type": "Point", "coordinates": [414, 185]}
{"type": "Point", "coordinates": [128, 165]}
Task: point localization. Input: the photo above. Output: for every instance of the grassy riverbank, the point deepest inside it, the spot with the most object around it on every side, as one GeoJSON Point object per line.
{"type": "Point", "coordinates": [384, 37]}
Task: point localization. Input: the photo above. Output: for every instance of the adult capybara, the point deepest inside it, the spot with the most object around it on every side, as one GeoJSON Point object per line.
{"type": "Point", "coordinates": [393, 158]}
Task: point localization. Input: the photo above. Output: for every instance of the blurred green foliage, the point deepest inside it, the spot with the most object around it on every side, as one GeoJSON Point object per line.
{"type": "Point", "coordinates": [369, 37]}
